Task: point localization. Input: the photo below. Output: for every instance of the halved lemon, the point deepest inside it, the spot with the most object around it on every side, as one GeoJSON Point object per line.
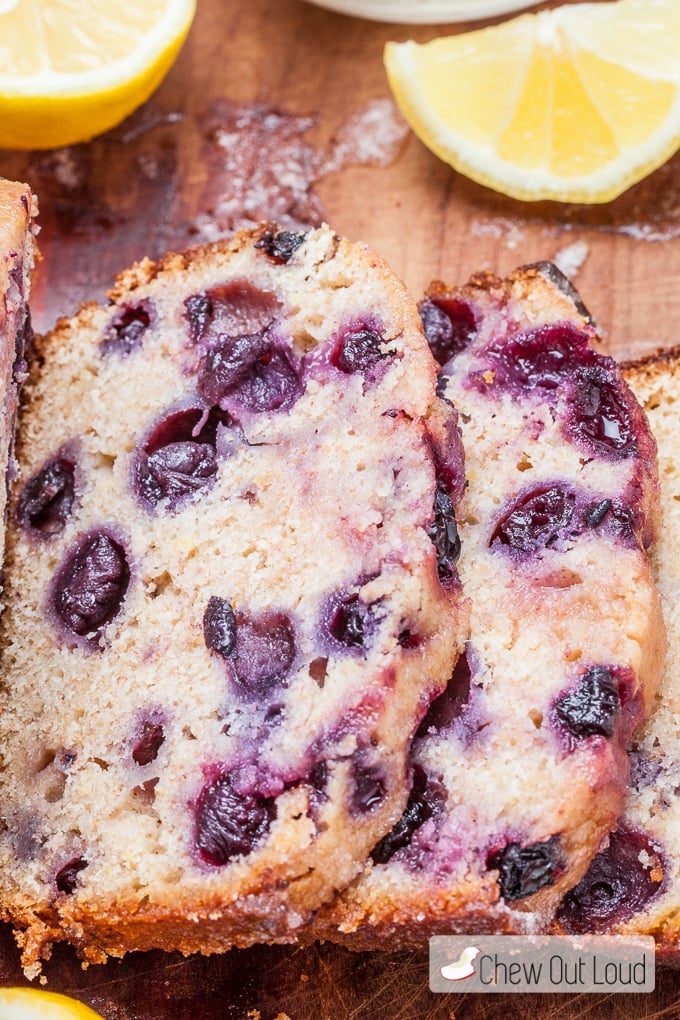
{"type": "Point", "coordinates": [31, 1004]}
{"type": "Point", "coordinates": [573, 104]}
{"type": "Point", "coordinates": [71, 69]}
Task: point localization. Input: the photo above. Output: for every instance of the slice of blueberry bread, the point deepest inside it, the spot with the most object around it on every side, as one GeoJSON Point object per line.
{"type": "Point", "coordinates": [633, 884]}
{"type": "Point", "coordinates": [520, 766]}
{"type": "Point", "coordinates": [17, 255]}
{"type": "Point", "coordinates": [232, 595]}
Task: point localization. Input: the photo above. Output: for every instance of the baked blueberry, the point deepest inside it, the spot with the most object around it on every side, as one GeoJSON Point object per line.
{"type": "Point", "coordinates": [228, 823]}
{"type": "Point", "coordinates": [89, 586]}
{"type": "Point", "coordinates": [126, 330]}
{"type": "Point", "coordinates": [622, 879]}
{"type": "Point", "coordinates": [46, 501]}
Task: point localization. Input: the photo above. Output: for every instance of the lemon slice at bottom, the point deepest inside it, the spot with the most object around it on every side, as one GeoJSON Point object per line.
{"type": "Point", "coordinates": [31, 1004]}
{"type": "Point", "coordinates": [574, 103]}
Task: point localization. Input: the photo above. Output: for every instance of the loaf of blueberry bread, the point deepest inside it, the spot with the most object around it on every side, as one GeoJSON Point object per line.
{"type": "Point", "coordinates": [231, 597]}
{"type": "Point", "coordinates": [17, 255]}
{"type": "Point", "coordinates": [520, 766]}
{"type": "Point", "coordinates": [633, 884]}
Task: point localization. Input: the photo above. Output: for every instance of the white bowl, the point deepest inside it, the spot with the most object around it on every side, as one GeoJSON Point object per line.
{"type": "Point", "coordinates": [430, 12]}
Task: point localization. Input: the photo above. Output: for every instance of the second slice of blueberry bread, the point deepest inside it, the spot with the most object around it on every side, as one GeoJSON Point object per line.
{"type": "Point", "coordinates": [232, 595]}
{"type": "Point", "coordinates": [633, 884]}
{"type": "Point", "coordinates": [520, 767]}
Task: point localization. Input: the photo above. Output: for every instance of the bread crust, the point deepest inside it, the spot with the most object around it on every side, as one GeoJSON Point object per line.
{"type": "Point", "coordinates": [18, 253]}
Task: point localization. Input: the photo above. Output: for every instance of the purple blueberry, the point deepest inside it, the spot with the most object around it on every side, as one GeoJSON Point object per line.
{"type": "Point", "coordinates": [198, 310]}
{"type": "Point", "coordinates": [126, 329]}
{"type": "Point", "coordinates": [178, 470]}
{"type": "Point", "coordinates": [592, 707]}
{"type": "Point", "coordinates": [265, 651]}
{"type": "Point", "coordinates": [149, 743]}
{"type": "Point", "coordinates": [599, 413]}
{"type": "Point", "coordinates": [179, 457]}
{"type": "Point", "coordinates": [230, 823]}
{"type": "Point", "coordinates": [67, 877]}
{"type": "Point", "coordinates": [318, 776]}
{"type": "Point", "coordinates": [559, 356]}
{"type": "Point", "coordinates": [449, 458]}
{"type": "Point", "coordinates": [621, 880]}
{"type": "Point", "coordinates": [537, 520]}
{"type": "Point", "coordinates": [451, 704]}
{"type": "Point", "coordinates": [219, 627]}
{"type": "Point", "coordinates": [443, 381]}
{"type": "Point", "coordinates": [596, 513]}
{"type": "Point", "coordinates": [427, 799]}
{"type": "Point", "coordinates": [554, 515]}
{"type": "Point", "coordinates": [357, 348]}
{"type": "Point", "coordinates": [46, 500]}
{"type": "Point", "coordinates": [540, 358]}
{"type": "Point", "coordinates": [280, 246]}
{"type": "Point", "coordinates": [368, 787]}
{"type": "Point", "coordinates": [347, 625]}
{"type": "Point", "coordinates": [65, 758]}
{"type": "Point", "coordinates": [254, 372]}
{"type": "Point", "coordinates": [274, 713]}
{"type": "Point", "coordinates": [89, 586]}
{"type": "Point", "coordinates": [409, 639]}
{"type": "Point", "coordinates": [347, 622]}
{"type": "Point", "coordinates": [443, 532]}
{"type": "Point", "coordinates": [449, 326]}
{"type": "Point", "coordinates": [616, 519]}
{"type": "Point", "coordinates": [236, 308]}
{"type": "Point", "coordinates": [523, 870]}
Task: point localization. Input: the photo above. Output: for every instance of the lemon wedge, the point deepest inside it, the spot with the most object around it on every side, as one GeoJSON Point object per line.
{"type": "Point", "coordinates": [70, 69]}
{"type": "Point", "coordinates": [573, 104]}
{"type": "Point", "coordinates": [31, 1004]}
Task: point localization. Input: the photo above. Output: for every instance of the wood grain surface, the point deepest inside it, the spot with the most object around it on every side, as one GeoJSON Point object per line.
{"type": "Point", "coordinates": [160, 182]}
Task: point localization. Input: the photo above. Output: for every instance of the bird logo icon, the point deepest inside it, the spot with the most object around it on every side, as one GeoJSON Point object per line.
{"type": "Point", "coordinates": [463, 967]}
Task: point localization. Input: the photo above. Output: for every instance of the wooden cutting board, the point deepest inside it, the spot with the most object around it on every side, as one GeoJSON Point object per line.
{"type": "Point", "coordinates": [276, 94]}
